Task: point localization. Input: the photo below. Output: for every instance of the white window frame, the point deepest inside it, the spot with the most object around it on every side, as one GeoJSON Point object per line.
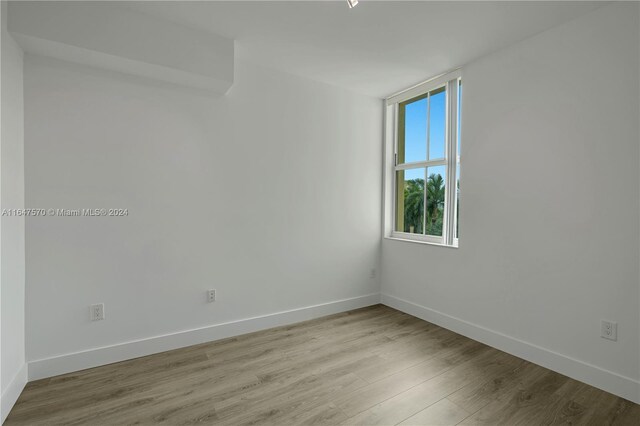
{"type": "Point", "coordinates": [451, 161]}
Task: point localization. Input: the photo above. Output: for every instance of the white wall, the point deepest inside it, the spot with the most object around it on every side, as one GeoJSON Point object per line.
{"type": "Point", "coordinates": [12, 276]}
{"type": "Point", "coordinates": [270, 194]}
{"type": "Point", "coordinates": [549, 237]}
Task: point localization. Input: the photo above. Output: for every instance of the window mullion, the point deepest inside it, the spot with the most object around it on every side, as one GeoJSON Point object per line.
{"type": "Point", "coordinates": [428, 127]}
{"type": "Point", "coordinates": [395, 134]}
{"type": "Point", "coordinates": [424, 203]}
{"type": "Point", "coordinates": [419, 164]}
{"type": "Point", "coordinates": [452, 157]}
{"type": "Point", "coordinates": [426, 169]}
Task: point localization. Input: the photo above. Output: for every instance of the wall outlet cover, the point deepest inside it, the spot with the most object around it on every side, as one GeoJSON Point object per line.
{"type": "Point", "coordinates": [609, 330]}
{"type": "Point", "coordinates": [96, 312]}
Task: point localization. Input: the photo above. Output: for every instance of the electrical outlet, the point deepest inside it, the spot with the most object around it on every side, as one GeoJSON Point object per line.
{"type": "Point", "coordinates": [609, 330]}
{"type": "Point", "coordinates": [372, 274]}
{"type": "Point", "coordinates": [96, 312]}
{"type": "Point", "coordinates": [211, 296]}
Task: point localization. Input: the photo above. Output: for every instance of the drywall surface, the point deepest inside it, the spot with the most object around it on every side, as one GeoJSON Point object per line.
{"type": "Point", "coordinates": [270, 195]}
{"type": "Point", "coordinates": [12, 275]}
{"type": "Point", "coordinates": [549, 197]}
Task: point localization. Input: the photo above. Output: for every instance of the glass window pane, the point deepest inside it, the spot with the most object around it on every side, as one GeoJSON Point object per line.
{"type": "Point", "coordinates": [414, 142]}
{"type": "Point", "coordinates": [435, 200]}
{"type": "Point", "coordinates": [410, 201]}
{"type": "Point", "coordinates": [437, 123]}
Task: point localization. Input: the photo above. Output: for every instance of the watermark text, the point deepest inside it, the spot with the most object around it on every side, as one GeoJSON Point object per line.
{"type": "Point", "coordinates": [57, 212]}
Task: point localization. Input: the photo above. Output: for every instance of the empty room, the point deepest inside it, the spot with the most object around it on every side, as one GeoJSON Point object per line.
{"type": "Point", "coordinates": [331, 212]}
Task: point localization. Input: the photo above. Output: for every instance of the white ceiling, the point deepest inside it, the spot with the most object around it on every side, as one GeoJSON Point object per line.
{"type": "Point", "coordinates": [377, 48]}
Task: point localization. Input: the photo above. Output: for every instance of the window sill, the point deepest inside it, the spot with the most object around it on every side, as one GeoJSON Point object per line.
{"type": "Point", "coordinates": [429, 243]}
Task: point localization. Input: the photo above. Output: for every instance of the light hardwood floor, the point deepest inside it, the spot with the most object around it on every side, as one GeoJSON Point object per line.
{"type": "Point", "coordinates": [369, 366]}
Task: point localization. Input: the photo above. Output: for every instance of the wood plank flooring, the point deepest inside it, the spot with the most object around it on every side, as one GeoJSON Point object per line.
{"type": "Point", "coordinates": [365, 367]}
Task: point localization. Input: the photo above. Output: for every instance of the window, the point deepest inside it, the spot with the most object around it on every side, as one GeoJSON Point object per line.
{"type": "Point", "coordinates": [423, 161]}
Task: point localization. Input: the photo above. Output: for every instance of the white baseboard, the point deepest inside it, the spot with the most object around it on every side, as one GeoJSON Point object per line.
{"type": "Point", "coordinates": [48, 367]}
{"type": "Point", "coordinates": [609, 381]}
{"type": "Point", "coordinates": [13, 391]}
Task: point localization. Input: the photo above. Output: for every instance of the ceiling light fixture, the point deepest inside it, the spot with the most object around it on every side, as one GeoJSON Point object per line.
{"type": "Point", "coordinates": [352, 3]}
